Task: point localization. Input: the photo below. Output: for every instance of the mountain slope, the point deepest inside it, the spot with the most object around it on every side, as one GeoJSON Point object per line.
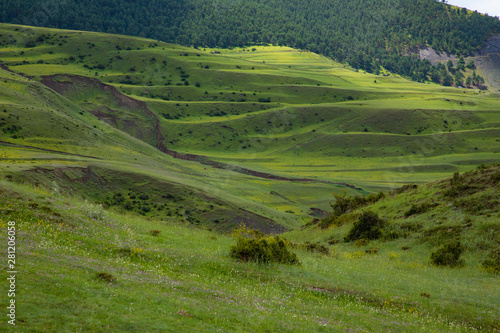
{"type": "Point", "coordinates": [465, 207]}
{"type": "Point", "coordinates": [50, 142]}
{"type": "Point", "coordinates": [87, 269]}
{"type": "Point", "coordinates": [272, 112]}
{"type": "Point", "coordinates": [365, 33]}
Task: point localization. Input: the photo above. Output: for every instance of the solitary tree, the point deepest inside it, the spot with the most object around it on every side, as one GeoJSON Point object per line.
{"type": "Point", "coordinates": [449, 64]}
{"type": "Point", "coordinates": [448, 80]}
{"type": "Point", "coordinates": [468, 81]}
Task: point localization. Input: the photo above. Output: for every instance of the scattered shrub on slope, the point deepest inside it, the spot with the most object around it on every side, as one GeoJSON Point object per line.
{"type": "Point", "coordinates": [475, 191]}
{"type": "Point", "coordinates": [448, 255]}
{"type": "Point", "coordinates": [344, 204]}
{"type": "Point", "coordinates": [492, 264]}
{"type": "Point", "coordinates": [369, 226]}
{"type": "Point", "coordinates": [252, 245]}
{"type": "Point", "coordinates": [419, 209]}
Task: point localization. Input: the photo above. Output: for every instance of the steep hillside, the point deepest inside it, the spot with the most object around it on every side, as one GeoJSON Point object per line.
{"type": "Point", "coordinates": [367, 34]}
{"type": "Point", "coordinates": [82, 268]}
{"type": "Point", "coordinates": [465, 207]}
{"type": "Point", "coordinates": [485, 63]}
{"type": "Point", "coordinates": [280, 129]}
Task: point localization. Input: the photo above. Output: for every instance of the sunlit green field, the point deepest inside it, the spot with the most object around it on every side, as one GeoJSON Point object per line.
{"type": "Point", "coordinates": [271, 108]}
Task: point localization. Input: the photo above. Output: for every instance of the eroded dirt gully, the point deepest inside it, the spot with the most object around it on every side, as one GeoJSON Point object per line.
{"type": "Point", "coordinates": [63, 86]}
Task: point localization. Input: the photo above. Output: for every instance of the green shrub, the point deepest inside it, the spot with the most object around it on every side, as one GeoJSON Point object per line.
{"type": "Point", "coordinates": [369, 226]}
{"type": "Point", "coordinates": [372, 250]}
{"type": "Point", "coordinates": [154, 232]}
{"type": "Point", "coordinates": [495, 177]}
{"type": "Point", "coordinates": [361, 242]}
{"type": "Point", "coordinates": [344, 204]}
{"type": "Point", "coordinates": [492, 264]}
{"type": "Point", "coordinates": [448, 255]}
{"type": "Point", "coordinates": [419, 209]}
{"type": "Point", "coordinates": [254, 246]}
{"type": "Point", "coordinates": [316, 247]}
{"type": "Point", "coordinates": [405, 188]}
{"type": "Point", "coordinates": [106, 277]}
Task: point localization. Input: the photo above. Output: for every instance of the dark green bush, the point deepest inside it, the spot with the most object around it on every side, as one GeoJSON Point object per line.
{"type": "Point", "coordinates": [344, 204]}
{"type": "Point", "coordinates": [419, 209]}
{"type": "Point", "coordinates": [106, 277]}
{"type": "Point", "coordinates": [492, 264]}
{"type": "Point", "coordinates": [369, 226]}
{"type": "Point", "coordinates": [316, 247]}
{"type": "Point", "coordinates": [154, 232]}
{"type": "Point", "coordinates": [361, 242]}
{"type": "Point", "coordinates": [448, 255]}
{"type": "Point", "coordinates": [263, 250]}
{"type": "Point", "coordinates": [372, 250]}
{"type": "Point", "coordinates": [405, 188]}
{"type": "Point", "coordinates": [495, 177]}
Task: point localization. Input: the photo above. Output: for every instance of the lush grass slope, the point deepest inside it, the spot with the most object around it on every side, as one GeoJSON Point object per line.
{"type": "Point", "coordinates": [182, 279]}
{"type": "Point", "coordinates": [266, 108]}
{"type": "Point", "coordinates": [269, 113]}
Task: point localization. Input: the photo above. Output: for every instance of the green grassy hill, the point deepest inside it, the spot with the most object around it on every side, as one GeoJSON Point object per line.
{"type": "Point", "coordinates": [466, 207]}
{"type": "Point", "coordinates": [367, 34]}
{"type": "Point", "coordinates": [106, 138]}
{"type": "Point", "coordinates": [283, 120]}
{"type": "Point", "coordinates": [82, 268]}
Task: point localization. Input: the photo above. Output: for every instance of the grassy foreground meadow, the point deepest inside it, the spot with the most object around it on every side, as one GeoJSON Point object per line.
{"type": "Point", "coordinates": [84, 269]}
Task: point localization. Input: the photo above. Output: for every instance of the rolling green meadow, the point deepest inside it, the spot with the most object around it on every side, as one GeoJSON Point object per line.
{"type": "Point", "coordinates": [127, 163]}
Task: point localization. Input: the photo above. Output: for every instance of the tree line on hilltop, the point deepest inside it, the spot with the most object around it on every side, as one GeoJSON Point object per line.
{"type": "Point", "coordinates": [366, 34]}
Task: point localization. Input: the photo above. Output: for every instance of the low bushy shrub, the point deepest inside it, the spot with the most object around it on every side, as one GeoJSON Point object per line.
{"type": "Point", "coordinates": [154, 232]}
{"type": "Point", "coordinates": [344, 204]}
{"type": "Point", "coordinates": [369, 226]}
{"type": "Point", "coordinates": [253, 245]}
{"type": "Point", "coordinates": [495, 177]}
{"type": "Point", "coordinates": [263, 250]}
{"type": "Point", "coordinates": [372, 250]}
{"type": "Point", "coordinates": [448, 255]}
{"type": "Point", "coordinates": [316, 247]}
{"type": "Point", "coordinates": [361, 242]}
{"type": "Point", "coordinates": [492, 264]}
{"type": "Point", "coordinates": [419, 209]}
{"type": "Point", "coordinates": [105, 277]}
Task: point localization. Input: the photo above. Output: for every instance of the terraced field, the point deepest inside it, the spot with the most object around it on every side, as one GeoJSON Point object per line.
{"type": "Point", "coordinates": [284, 121]}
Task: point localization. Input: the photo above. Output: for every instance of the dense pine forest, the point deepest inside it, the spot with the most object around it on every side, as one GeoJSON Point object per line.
{"type": "Point", "coordinates": [366, 34]}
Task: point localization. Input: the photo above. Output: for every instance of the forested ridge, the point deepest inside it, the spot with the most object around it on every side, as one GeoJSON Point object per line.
{"type": "Point", "coordinates": [367, 34]}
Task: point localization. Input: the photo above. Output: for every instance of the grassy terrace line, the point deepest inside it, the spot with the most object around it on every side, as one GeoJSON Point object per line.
{"type": "Point", "coordinates": [85, 268]}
